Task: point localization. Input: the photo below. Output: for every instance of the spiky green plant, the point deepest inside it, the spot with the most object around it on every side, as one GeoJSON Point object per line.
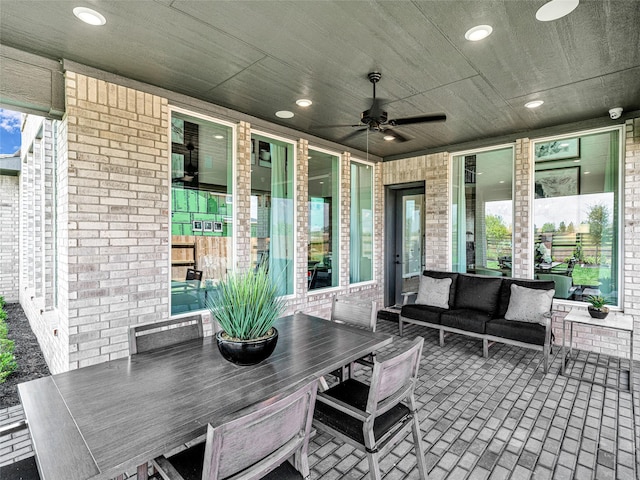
{"type": "Point", "coordinates": [597, 301]}
{"type": "Point", "coordinates": [246, 304]}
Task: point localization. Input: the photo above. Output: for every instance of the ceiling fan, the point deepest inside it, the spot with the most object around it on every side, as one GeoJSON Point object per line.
{"type": "Point", "coordinates": [190, 171]}
{"type": "Point", "coordinates": [377, 120]}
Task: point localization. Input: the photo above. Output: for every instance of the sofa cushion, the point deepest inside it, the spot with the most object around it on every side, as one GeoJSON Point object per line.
{"type": "Point", "coordinates": [478, 293]}
{"type": "Point", "coordinates": [434, 291]}
{"type": "Point", "coordinates": [505, 291]}
{"type": "Point", "coordinates": [465, 319]}
{"type": "Point", "coordinates": [529, 304]}
{"type": "Point", "coordinates": [532, 333]}
{"type": "Point", "coordinates": [454, 282]}
{"type": "Point", "coordinates": [424, 313]}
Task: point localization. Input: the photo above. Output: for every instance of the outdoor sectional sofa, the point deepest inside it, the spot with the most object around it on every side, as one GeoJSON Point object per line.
{"type": "Point", "coordinates": [485, 307]}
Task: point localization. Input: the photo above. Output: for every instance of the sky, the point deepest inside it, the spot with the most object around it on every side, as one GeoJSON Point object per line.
{"type": "Point", "coordinates": [9, 131]}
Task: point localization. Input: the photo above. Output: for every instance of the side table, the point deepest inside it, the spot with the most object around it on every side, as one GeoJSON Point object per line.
{"type": "Point", "coordinates": [614, 321]}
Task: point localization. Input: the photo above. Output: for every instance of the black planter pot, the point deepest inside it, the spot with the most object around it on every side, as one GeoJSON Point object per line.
{"type": "Point", "coordinates": [247, 352]}
{"type": "Point", "coordinates": [598, 313]}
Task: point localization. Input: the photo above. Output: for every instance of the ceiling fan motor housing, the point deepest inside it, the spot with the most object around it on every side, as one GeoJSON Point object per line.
{"type": "Point", "coordinates": [367, 119]}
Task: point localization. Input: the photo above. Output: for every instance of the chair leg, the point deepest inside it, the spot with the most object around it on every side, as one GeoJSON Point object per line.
{"type": "Point", "coordinates": [417, 440]}
{"type": "Point", "coordinates": [485, 348]}
{"type": "Point", "coordinates": [400, 325]}
{"type": "Point", "coordinates": [143, 472]}
{"type": "Point", "coordinates": [374, 466]}
{"type": "Point", "coordinates": [441, 338]}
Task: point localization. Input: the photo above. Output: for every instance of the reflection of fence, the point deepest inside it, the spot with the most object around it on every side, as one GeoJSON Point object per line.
{"type": "Point", "coordinates": [563, 245]}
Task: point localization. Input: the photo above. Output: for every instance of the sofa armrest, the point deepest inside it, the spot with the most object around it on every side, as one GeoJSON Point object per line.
{"type": "Point", "coordinates": [406, 296]}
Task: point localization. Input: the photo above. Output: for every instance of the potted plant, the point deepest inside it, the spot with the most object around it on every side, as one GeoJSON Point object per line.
{"type": "Point", "coordinates": [597, 309]}
{"type": "Point", "coordinates": [246, 305]}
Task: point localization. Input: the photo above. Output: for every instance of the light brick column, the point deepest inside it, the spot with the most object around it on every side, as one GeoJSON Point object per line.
{"type": "Point", "coordinates": [9, 240]}
{"type": "Point", "coordinates": [345, 219]}
{"type": "Point", "coordinates": [631, 263]}
{"type": "Point", "coordinates": [118, 215]}
{"type": "Point", "coordinates": [242, 208]}
{"type": "Point", "coordinates": [522, 248]}
{"type": "Point", "coordinates": [301, 199]}
{"type": "Point", "coordinates": [438, 212]}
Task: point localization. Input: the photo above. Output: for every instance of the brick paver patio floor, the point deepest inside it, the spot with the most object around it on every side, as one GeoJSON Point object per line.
{"type": "Point", "coordinates": [498, 418]}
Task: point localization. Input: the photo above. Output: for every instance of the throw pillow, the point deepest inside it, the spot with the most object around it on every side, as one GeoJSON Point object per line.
{"type": "Point", "coordinates": [434, 292]}
{"type": "Point", "coordinates": [529, 304]}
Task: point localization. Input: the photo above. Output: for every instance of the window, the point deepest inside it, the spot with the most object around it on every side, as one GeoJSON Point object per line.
{"type": "Point", "coordinates": [272, 207]}
{"type": "Point", "coordinates": [482, 212]}
{"type": "Point", "coordinates": [361, 239]}
{"type": "Point", "coordinates": [576, 199]}
{"type": "Point", "coordinates": [324, 219]}
{"type": "Point", "coordinates": [201, 209]}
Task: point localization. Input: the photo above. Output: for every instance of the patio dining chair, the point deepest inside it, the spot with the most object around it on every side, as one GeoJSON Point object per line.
{"type": "Point", "coordinates": [376, 417]}
{"type": "Point", "coordinates": [359, 313]}
{"type": "Point", "coordinates": [256, 445]}
{"type": "Point", "coordinates": [150, 336]}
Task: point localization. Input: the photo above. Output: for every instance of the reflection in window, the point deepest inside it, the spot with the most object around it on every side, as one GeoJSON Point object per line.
{"type": "Point", "coordinates": [576, 215]}
{"type": "Point", "coordinates": [323, 220]}
{"type": "Point", "coordinates": [482, 212]}
{"type": "Point", "coordinates": [201, 209]}
{"type": "Point", "coordinates": [272, 209]}
{"type": "Point", "coordinates": [361, 239]}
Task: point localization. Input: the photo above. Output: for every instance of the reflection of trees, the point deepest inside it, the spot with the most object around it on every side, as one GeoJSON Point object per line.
{"type": "Point", "coordinates": [498, 235]}
{"type": "Point", "coordinates": [598, 220]}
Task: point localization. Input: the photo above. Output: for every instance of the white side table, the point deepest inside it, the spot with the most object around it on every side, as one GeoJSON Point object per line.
{"type": "Point", "coordinates": [614, 321]}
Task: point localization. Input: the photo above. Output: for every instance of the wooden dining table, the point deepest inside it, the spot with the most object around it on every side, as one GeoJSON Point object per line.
{"type": "Point", "coordinates": [100, 421]}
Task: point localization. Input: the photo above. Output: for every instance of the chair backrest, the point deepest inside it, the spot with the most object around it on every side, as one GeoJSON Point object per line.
{"type": "Point", "coordinates": [193, 274]}
{"type": "Point", "coordinates": [262, 439]}
{"type": "Point", "coordinates": [394, 379]}
{"type": "Point", "coordinates": [150, 336]}
{"type": "Point", "coordinates": [363, 313]}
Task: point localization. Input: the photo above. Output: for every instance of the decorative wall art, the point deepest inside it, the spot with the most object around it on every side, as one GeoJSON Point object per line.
{"type": "Point", "coordinates": [558, 150]}
{"type": "Point", "coordinates": [207, 226]}
{"type": "Point", "coordinates": [217, 226]}
{"type": "Point", "coordinates": [196, 226]}
{"type": "Point", "coordinates": [558, 182]}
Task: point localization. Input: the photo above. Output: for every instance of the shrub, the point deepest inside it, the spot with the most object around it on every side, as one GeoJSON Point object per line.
{"type": "Point", "coordinates": [7, 360]}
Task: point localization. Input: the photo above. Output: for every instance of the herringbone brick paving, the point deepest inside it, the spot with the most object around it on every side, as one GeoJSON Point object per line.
{"type": "Point", "coordinates": [501, 418]}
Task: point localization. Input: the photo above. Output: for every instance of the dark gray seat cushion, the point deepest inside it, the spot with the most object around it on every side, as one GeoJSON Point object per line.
{"type": "Point", "coordinates": [189, 464]}
{"type": "Point", "coordinates": [520, 331]}
{"type": "Point", "coordinates": [505, 292]}
{"type": "Point", "coordinates": [478, 293]}
{"type": "Point", "coordinates": [355, 394]}
{"type": "Point", "coordinates": [465, 319]}
{"type": "Point", "coordinates": [424, 313]}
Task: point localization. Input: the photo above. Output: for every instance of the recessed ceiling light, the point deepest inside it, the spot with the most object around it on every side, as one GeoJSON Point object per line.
{"type": "Point", "coordinates": [478, 33]}
{"type": "Point", "coordinates": [501, 181]}
{"type": "Point", "coordinates": [480, 173]}
{"type": "Point", "coordinates": [576, 161]}
{"type": "Point", "coordinates": [556, 9]}
{"type": "Point", "coordinates": [388, 138]}
{"type": "Point", "coordinates": [303, 102]}
{"type": "Point", "coordinates": [284, 114]}
{"type": "Point", "coordinates": [534, 104]}
{"type": "Point", "coordinates": [564, 145]}
{"type": "Point", "coordinates": [587, 173]}
{"type": "Point", "coordinates": [218, 137]}
{"type": "Point", "coordinates": [89, 16]}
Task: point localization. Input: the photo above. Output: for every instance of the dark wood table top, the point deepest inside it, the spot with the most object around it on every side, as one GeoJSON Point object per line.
{"type": "Point", "coordinates": [103, 420]}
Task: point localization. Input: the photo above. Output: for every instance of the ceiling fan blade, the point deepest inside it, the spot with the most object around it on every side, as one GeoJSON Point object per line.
{"type": "Point", "coordinates": [353, 134]}
{"type": "Point", "coordinates": [394, 133]}
{"type": "Point", "coordinates": [336, 126]}
{"type": "Point", "coordinates": [441, 117]}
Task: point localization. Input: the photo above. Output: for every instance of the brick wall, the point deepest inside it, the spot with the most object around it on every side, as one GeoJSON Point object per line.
{"type": "Point", "coordinates": [9, 224]}
{"type": "Point", "coordinates": [117, 204]}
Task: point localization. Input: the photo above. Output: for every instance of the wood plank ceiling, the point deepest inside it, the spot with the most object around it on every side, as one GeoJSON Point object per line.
{"type": "Point", "coordinates": [258, 57]}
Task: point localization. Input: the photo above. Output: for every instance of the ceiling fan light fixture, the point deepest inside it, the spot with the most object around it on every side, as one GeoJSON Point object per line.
{"type": "Point", "coordinates": [89, 16]}
{"type": "Point", "coordinates": [556, 9]}
{"type": "Point", "coordinates": [284, 114]}
{"type": "Point", "coordinates": [304, 102]}
{"type": "Point", "coordinates": [389, 138]}
{"type": "Point", "coordinates": [479, 32]}
{"type": "Point", "coordinates": [534, 104]}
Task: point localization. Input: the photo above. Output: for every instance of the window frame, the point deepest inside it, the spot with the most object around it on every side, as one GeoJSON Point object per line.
{"type": "Point", "coordinates": [373, 219]}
